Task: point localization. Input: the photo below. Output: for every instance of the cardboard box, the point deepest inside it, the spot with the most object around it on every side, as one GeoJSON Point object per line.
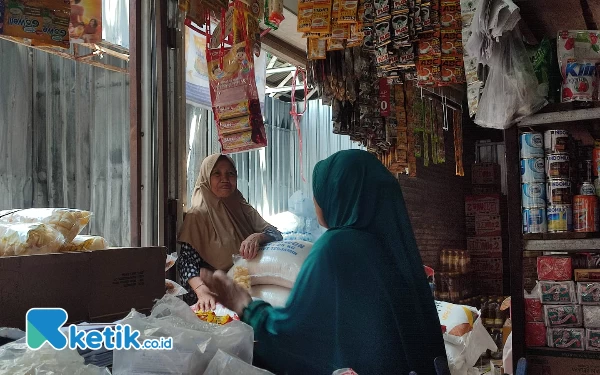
{"type": "Point", "coordinates": [486, 174]}
{"type": "Point", "coordinates": [90, 286]}
{"type": "Point", "coordinates": [484, 226]}
{"type": "Point", "coordinates": [485, 244]}
{"type": "Point", "coordinates": [483, 267]}
{"type": "Point", "coordinates": [587, 275]}
{"type": "Point", "coordinates": [488, 204]}
{"type": "Point", "coordinates": [488, 286]}
{"type": "Point", "coordinates": [573, 364]}
{"type": "Point", "coordinates": [485, 189]}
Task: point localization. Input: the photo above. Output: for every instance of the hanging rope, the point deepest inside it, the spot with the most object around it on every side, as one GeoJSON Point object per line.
{"type": "Point", "coordinates": [296, 116]}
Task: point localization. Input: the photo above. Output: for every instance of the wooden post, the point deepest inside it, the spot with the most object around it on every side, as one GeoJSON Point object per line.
{"type": "Point", "coordinates": [135, 118]}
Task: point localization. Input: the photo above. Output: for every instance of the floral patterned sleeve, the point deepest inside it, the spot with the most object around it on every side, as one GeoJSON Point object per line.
{"type": "Point", "coordinates": [189, 265]}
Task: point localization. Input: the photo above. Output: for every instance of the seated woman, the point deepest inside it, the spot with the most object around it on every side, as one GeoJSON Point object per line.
{"type": "Point", "coordinates": [219, 224]}
{"type": "Point", "coordinates": [361, 299]}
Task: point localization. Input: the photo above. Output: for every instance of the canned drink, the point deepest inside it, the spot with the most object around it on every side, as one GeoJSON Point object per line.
{"type": "Point", "coordinates": [557, 166]}
{"type": "Point", "coordinates": [558, 192]}
{"type": "Point", "coordinates": [560, 218]}
{"type": "Point", "coordinates": [534, 220]}
{"type": "Point", "coordinates": [533, 195]}
{"type": "Point", "coordinates": [587, 188]}
{"type": "Point", "coordinates": [532, 145]}
{"type": "Point", "coordinates": [585, 213]}
{"type": "Point", "coordinates": [533, 170]}
{"type": "Point", "coordinates": [556, 141]}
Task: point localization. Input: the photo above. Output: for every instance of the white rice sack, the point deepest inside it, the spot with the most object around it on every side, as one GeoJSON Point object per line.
{"type": "Point", "coordinates": [276, 295]}
{"type": "Point", "coordinates": [277, 263]}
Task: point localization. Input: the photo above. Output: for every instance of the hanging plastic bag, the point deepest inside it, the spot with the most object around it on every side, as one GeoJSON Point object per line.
{"type": "Point", "coordinates": [195, 342]}
{"type": "Point", "coordinates": [512, 90]}
{"type": "Point", "coordinates": [225, 364]}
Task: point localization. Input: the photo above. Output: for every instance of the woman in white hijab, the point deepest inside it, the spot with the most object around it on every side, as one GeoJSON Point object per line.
{"type": "Point", "coordinates": [219, 224]}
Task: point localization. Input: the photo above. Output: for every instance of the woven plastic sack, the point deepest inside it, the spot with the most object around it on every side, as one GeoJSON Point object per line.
{"type": "Point", "coordinates": [277, 296]}
{"type": "Point", "coordinates": [225, 364]}
{"type": "Point", "coordinates": [29, 239]}
{"type": "Point", "coordinates": [85, 243]}
{"type": "Point", "coordinates": [195, 342]}
{"type": "Point", "coordinates": [69, 222]}
{"type": "Point", "coordinates": [277, 263]}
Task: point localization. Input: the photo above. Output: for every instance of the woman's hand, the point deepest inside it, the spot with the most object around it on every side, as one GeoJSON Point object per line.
{"type": "Point", "coordinates": [227, 292]}
{"type": "Point", "coordinates": [249, 248]}
{"type": "Point", "coordinates": [206, 300]}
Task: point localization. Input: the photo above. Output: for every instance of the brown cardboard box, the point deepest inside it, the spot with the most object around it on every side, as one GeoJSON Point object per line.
{"type": "Point", "coordinates": [89, 285]}
{"type": "Point", "coordinates": [484, 226]}
{"type": "Point", "coordinates": [483, 267]}
{"type": "Point", "coordinates": [488, 204]}
{"type": "Point", "coordinates": [487, 244]}
{"type": "Point", "coordinates": [485, 189]}
{"type": "Point", "coordinates": [486, 174]}
{"type": "Point", "coordinates": [571, 365]}
{"type": "Point", "coordinates": [488, 285]}
{"type": "Point", "coordinates": [587, 275]}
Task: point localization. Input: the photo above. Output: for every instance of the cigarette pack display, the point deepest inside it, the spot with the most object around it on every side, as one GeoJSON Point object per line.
{"type": "Point", "coordinates": [557, 292]}
{"type": "Point", "coordinates": [566, 338]}
{"type": "Point", "coordinates": [554, 268]}
{"type": "Point", "coordinates": [591, 316]}
{"type": "Point", "coordinates": [588, 293]}
{"type": "Point", "coordinates": [563, 316]}
{"type": "Point", "coordinates": [587, 275]}
{"type": "Point", "coordinates": [535, 334]}
{"type": "Point", "coordinates": [592, 339]}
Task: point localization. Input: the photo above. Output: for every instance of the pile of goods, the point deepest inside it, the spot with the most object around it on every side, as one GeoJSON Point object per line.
{"type": "Point", "coordinates": [453, 283]}
{"type": "Point", "coordinates": [272, 274]}
{"type": "Point", "coordinates": [558, 195]}
{"type": "Point", "coordinates": [562, 313]}
{"type": "Point", "coordinates": [46, 230]}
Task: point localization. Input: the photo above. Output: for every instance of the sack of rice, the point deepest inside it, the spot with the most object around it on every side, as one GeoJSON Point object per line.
{"type": "Point", "coordinates": [69, 222]}
{"type": "Point", "coordinates": [277, 263]}
{"type": "Point", "coordinates": [27, 239]}
{"type": "Point", "coordinates": [276, 295]}
{"type": "Point", "coordinates": [85, 243]}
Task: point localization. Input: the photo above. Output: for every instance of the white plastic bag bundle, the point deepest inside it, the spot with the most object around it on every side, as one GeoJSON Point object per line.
{"type": "Point", "coordinates": [69, 222]}
{"type": "Point", "coordinates": [195, 342]}
{"type": "Point", "coordinates": [225, 364]}
{"type": "Point", "coordinates": [29, 239]}
{"type": "Point", "coordinates": [277, 263]}
{"type": "Point", "coordinates": [463, 351]}
{"type": "Point", "coordinates": [276, 295]}
{"type": "Point", "coordinates": [17, 359]}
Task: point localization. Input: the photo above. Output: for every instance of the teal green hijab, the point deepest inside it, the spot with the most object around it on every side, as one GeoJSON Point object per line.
{"type": "Point", "coordinates": [361, 299]}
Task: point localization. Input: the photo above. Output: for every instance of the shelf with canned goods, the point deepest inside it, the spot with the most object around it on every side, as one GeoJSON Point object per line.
{"type": "Point", "coordinates": [564, 245]}
{"type": "Point", "coordinates": [560, 114]}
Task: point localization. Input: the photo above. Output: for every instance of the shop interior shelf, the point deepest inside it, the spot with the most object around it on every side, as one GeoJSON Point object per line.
{"type": "Point", "coordinates": [570, 242]}
{"type": "Point", "coordinates": [560, 113]}
{"type": "Point", "coordinates": [553, 352]}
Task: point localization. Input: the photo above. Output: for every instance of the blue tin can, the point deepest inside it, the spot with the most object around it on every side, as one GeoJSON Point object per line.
{"type": "Point", "coordinates": [534, 220]}
{"type": "Point", "coordinates": [533, 194]}
{"type": "Point", "coordinates": [532, 145]}
{"type": "Point", "coordinates": [533, 170]}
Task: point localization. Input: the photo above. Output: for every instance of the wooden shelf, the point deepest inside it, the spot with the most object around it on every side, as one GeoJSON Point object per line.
{"type": "Point", "coordinates": [560, 113]}
{"type": "Point", "coordinates": [566, 244]}
{"type": "Point", "coordinates": [560, 236]}
{"type": "Point", "coordinates": [553, 352]}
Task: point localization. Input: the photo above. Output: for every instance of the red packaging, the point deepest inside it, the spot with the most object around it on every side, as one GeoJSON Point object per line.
{"type": "Point", "coordinates": [551, 268]}
{"type": "Point", "coordinates": [535, 334]}
{"type": "Point", "coordinates": [533, 310]}
{"type": "Point", "coordinates": [482, 205]}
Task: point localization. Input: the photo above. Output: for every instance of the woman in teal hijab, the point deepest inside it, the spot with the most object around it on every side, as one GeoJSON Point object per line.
{"type": "Point", "coordinates": [361, 299]}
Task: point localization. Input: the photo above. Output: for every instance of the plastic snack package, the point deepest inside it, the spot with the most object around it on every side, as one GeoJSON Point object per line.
{"type": "Point", "coordinates": [591, 316]}
{"type": "Point", "coordinates": [85, 243]}
{"type": "Point", "coordinates": [563, 316]}
{"type": "Point", "coordinates": [557, 292]}
{"type": "Point", "coordinates": [171, 259]}
{"type": "Point", "coordinates": [588, 293]}
{"type": "Point", "coordinates": [566, 338]}
{"type": "Point", "coordinates": [592, 339]}
{"type": "Point", "coordinates": [277, 263]}
{"type": "Point", "coordinates": [225, 364]}
{"type": "Point", "coordinates": [28, 239]}
{"type": "Point", "coordinates": [69, 222]}
{"type": "Point", "coordinates": [554, 268]}
{"type": "Point", "coordinates": [578, 54]}
{"type": "Point", "coordinates": [535, 335]}
{"type": "Point", "coordinates": [534, 311]}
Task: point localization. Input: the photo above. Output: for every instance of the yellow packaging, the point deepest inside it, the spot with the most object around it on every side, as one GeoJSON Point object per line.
{"type": "Point", "coordinates": [44, 21]}
{"type": "Point", "coordinates": [339, 31]}
{"type": "Point", "coordinates": [235, 141]}
{"type": "Point", "coordinates": [311, 35]}
{"type": "Point", "coordinates": [335, 44]}
{"type": "Point", "coordinates": [321, 17]}
{"type": "Point", "coordinates": [234, 125]}
{"type": "Point", "coordinates": [224, 112]}
{"type": "Point", "coordinates": [305, 11]}
{"type": "Point", "coordinates": [348, 11]}
{"type": "Point", "coordinates": [317, 49]}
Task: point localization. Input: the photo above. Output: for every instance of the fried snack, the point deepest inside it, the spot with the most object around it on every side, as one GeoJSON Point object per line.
{"type": "Point", "coordinates": [241, 276]}
{"type": "Point", "coordinates": [69, 222]}
{"type": "Point", "coordinates": [85, 243]}
{"type": "Point", "coordinates": [26, 239]}
{"type": "Point", "coordinates": [211, 317]}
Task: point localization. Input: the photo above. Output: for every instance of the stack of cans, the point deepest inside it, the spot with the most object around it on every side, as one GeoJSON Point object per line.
{"type": "Point", "coordinates": [533, 178]}
{"type": "Point", "coordinates": [558, 174]}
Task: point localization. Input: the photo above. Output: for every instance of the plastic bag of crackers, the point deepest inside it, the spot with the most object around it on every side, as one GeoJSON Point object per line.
{"type": "Point", "coordinates": [69, 222]}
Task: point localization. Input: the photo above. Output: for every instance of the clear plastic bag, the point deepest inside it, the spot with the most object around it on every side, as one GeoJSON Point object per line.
{"type": "Point", "coordinates": [17, 359]}
{"type": "Point", "coordinates": [29, 239]}
{"type": "Point", "coordinates": [69, 222]}
{"type": "Point", "coordinates": [277, 263]}
{"type": "Point", "coordinates": [85, 243]}
{"type": "Point", "coordinates": [462, 357]}
{"type": "Point", "coordinates": [174, 289]}
{"type": "Point", "coordinates": [225, 364]}
{"type": "Point", "coordinates": [344, 371]}
{"type": "Point", "coordinates": [512, 90]}
{"type": "Point", "coordinates": [194, 342]}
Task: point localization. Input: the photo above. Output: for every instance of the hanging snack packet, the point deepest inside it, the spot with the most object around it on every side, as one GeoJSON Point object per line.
{"type": "Point", "coordinates": [368, 43]}
{"type": "Point", "coordinates": [274, 13]}
{"type": "Point", "coordinates": [321, 17]}
{"type": "Point", "coordinates": [369, 13]}
{"type": "Point", "coordinates": [452, 43]}
{"type": "Point", "coordinates": [400, 6]}
{"type": "Point", "coordinates": [382, 32]}
{"type": "Point", "coordinates": [578, 54]}
{"type": "Point", "coordinates": [400, 26]}
{"type": "Point", "coordinates": [317, 49]}
{"type": "Point", "coordinates": [348, 11]}
{"type": "Point", "coordinates": [335, 44]}
{"type": "Point", "coordinates": [305, 11]}
{"type": "Point", "coordinates": [452, 70]}
{"type": "Point", "coordinates": [381, 56]}
{"type": "Point", "coordinates": [426, 16]}
{"type": "Point", "coordinates": [382, 9]}
{"type": "Point", "coordinates": [451, 17]}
